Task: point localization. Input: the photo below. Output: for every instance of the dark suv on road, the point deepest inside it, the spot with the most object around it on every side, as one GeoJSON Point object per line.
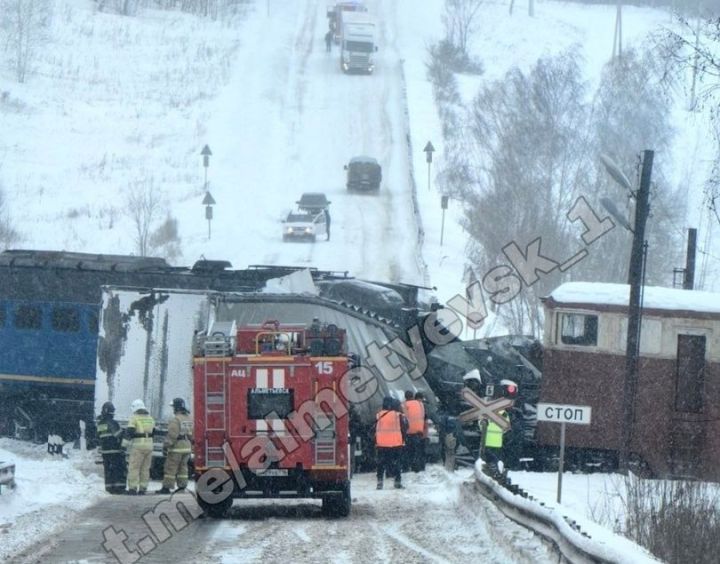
{"type": "Point", "coordinates": [313, 202]}
{"type": "Point", "coordinates": [363, 173]}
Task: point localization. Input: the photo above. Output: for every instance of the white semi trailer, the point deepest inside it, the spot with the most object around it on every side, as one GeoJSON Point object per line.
{"type": "Point", "coordinates": [357, 42]}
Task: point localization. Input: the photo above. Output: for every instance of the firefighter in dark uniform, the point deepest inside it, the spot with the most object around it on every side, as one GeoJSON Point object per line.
{"type": "Point", "coordinates": [177, 448]}
{"type": "Point", "coordinates": [109, 435]}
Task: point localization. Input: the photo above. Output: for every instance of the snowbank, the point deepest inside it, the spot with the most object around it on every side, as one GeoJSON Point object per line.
{"type": "Point", "coordinates": [49, 492]}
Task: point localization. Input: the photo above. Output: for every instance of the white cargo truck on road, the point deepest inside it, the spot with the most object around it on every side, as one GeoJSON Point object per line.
{"type": "Point", "coordinates": [357, 42]}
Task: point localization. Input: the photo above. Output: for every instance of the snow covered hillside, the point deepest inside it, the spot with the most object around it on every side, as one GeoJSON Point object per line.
{"type": "Point", "coordinates": [122, 106]}
{"type": "Point", "coordinates": [119, 106]}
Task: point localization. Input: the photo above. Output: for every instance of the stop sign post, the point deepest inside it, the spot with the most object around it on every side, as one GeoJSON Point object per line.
{"type": "Point", "coordinates": [560, 413]}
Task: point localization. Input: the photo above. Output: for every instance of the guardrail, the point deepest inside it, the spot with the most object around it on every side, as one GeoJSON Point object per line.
{"type": "Point", "coordinates": [7, 475]}
{"type": "Point", "coordinates": [566, 534]}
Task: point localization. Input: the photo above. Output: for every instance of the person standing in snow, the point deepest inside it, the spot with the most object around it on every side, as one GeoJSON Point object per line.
{"type": "Point", "coordinates": [390, 429]}
{"type": "Point", "coordinates": [415, 412]}
{"type": "Point", "coordinates": [109, 435]}
{"type": "Point", "coordinates": [451, 436]}
{"type": "Point", "coordinates": [328, 41]}
{"type": "Point", "coordinates": [139, 437]}
{"type": "Point", "coordinates": [177, 448]}
{"type": "Point", "coordinates": [327, 222]}
{"type": "Point", "coordinates": [494, 443]}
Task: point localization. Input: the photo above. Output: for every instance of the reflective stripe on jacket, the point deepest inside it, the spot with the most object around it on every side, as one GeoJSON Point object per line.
{"type": "Point", "coordinates": [180, 434]}
{"type": "Point", "coordinates": [494, 434]}
{"type": "Point", "coordinates": [388, 432]}
{"type": "Point", "coordinates": [109, 435]}
{"type": "Point", "coordinates": [415, 411]}
{"type": "Point", "coordinates": [140, 429]}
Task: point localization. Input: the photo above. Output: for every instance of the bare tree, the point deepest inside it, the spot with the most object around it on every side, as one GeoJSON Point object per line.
{"type": "Point", "coordinates": [632, 113]}
{"type": "Point", "coordinates": [26, 23]}
{"type": "Point", "coordinates": [8, 234]}
{"type": "Point", "coordinates": [460, 20]}
{"type": "Point", "coordinates": [122, 7]}
{"type": "Point", "coordinates": [144, 206]}
{"type": "Point", "coordinates": [523, 160]}
{"type": "Point", "coordinates": [528, 148]}
{"type": "Point", "coordinates": [165, 240]}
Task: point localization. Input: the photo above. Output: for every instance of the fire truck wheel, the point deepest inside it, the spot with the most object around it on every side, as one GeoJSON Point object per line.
{"type": "Point", "coordinates": [215, 510]}
{"type": "Point", "coordinates": [338, 504]}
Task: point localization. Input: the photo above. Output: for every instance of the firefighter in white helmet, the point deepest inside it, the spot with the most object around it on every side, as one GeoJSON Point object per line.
{"type": "Point", "coordinates": [177, 448]}
{"type": "Point", "coordinates": [139, 438]}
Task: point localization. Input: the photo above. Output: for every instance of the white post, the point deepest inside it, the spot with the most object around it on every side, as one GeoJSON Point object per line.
{"type": "Point", "coordinates": [83, 440]}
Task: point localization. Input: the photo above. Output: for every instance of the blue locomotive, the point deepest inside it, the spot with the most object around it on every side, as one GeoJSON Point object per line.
{"type": "Point", "coordinates": [49, 307]}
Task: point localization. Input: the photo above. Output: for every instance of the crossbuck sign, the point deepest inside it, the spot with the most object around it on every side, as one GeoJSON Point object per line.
{"type": "Point", "coordinates": [485, 409]}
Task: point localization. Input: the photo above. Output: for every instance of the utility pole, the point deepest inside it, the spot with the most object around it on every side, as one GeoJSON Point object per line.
{"type": "Point", "coordinates": [617, 39]}
{"type": "Point", "coordinates": [689, 278]}
{"type": "Point", "coordinates": [635, 279]}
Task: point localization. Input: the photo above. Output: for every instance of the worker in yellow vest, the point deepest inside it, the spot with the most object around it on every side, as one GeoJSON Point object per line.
{"type": "Point", "coordinates": [390, 431]}
{"type": "Point", "coordinates": [494, 442]}
{"type": "Point", "coordinates": [139, 438]}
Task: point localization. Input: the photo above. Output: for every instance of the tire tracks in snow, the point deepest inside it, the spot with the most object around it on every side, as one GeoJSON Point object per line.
{"type": "Point", "coordinates": [406, 543]}
{"type": "Point", "coordinates": [294, 103]}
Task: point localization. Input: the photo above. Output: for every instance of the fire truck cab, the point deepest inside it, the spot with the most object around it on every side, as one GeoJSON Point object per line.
{"type": "Point", "coordinates": [270, 417]}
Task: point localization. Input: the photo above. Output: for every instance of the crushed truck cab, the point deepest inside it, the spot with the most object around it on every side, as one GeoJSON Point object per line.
{"type": "Point", "coordinates": [270, 416]}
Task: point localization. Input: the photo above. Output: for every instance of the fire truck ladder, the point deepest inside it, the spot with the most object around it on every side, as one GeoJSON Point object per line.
{"type": "Point", "coordinates": [214, 410]}
{"type": "Point", "coordinates": [325, 442]}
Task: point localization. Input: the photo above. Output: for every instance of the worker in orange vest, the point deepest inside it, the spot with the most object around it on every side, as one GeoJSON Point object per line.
{"type": "Point", "coordinates": [415, 413]}
{"type": "Point", "coordinates": [390, 430]}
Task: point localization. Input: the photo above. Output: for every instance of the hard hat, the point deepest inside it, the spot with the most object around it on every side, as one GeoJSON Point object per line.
{"type": "Point", "coordinates": [178, 403]}
{"type": "Point", "coordinates": [474, 374]}
{"type": "Point", "coordinates": [107, 408]}
{"type": "Point", "coordinates": [137, 404]}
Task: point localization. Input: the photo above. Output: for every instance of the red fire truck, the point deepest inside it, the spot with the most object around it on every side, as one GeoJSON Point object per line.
{"type": "Point", "coordinates": [270, 417]}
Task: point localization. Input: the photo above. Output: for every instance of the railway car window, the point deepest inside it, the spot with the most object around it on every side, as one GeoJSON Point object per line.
{"type": "Point", "coordinates": [690, 373]}
{"type": "Point", "coordinates": [65, 319]}
{"type": "Point", "coordinates": [93, 325]}
{"type": "Point", "coordinates": [578, 329]}
{"type": "Point", "coordinates": [28, 317]}
{"type": "Point", "coordinates": [2, 316]}
{"type": "Point", "coordinates": [265, 401]}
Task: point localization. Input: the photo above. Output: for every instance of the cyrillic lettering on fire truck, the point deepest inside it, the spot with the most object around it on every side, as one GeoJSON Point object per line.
{"type": "Point", "coordinates": [238, 373]}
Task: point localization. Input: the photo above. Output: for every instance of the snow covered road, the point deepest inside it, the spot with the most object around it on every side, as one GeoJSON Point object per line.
{"type": "Point", "coordinates": [436, 518]}
{"type": "Point", "coordinates": [286, 124]}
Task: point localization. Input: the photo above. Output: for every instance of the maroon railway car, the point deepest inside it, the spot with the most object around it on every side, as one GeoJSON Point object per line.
{"type": "Point", "coordinates": [676, 428]}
